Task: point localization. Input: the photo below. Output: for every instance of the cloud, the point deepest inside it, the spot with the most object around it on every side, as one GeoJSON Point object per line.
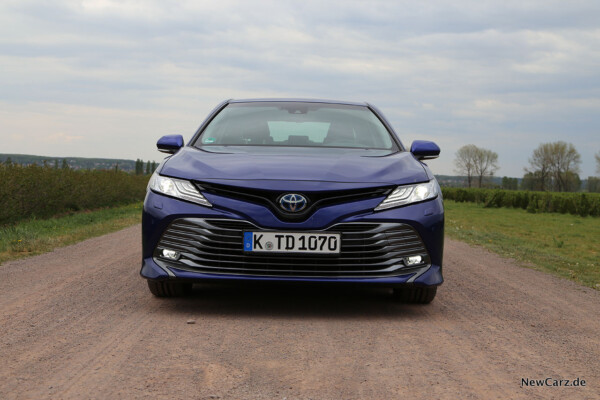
{"type": "Point", "coordinates": [462, 72]}
{"type": "Point", "coordinates": [61, 138]}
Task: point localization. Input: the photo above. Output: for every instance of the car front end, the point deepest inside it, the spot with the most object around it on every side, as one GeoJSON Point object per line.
{"type": "Point", "coordinates": [316, 211]}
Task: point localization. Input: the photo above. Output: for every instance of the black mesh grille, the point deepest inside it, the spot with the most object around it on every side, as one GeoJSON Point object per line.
{"type": "Point", "coordinates": [270, 198]}
{"type": "Point", "coordinates": [216, 246]}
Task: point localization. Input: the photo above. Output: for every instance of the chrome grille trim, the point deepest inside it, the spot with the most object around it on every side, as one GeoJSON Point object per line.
{"type": "Point", "coordinates": [315, 199]}
{"type": "Point", "coordinates": [368, 249]}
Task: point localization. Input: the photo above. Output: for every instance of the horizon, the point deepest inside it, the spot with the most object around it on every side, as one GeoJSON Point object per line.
{"type": "Point", "coordinates": [145, 161]}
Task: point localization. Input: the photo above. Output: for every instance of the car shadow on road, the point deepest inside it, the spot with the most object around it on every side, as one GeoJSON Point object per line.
{"type": "Point", "coordinates": [294, 300]}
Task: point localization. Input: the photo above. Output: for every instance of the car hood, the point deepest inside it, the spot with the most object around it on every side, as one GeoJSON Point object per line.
{"type": "Point", "coordinates": [372, 167]}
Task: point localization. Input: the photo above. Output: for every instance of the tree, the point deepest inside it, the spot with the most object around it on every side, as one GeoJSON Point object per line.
{"type": "Point", "coordinates": [597, 155]}
{"type": "Point", "coordinates": [531, 181]}
{"type": "Point", "coordinates": [593, 184]}
{"type": "Point", "coordinates": [465, 162]}
{"type": "Point", "coordinates": [65, 165]}
{"type": "Point", "coordinates": [56, 163]}
{"type": "Point", "coordinates": [566, 167]}
{"type": "Point", "coordinates": [475, 162]}
{"type": "Point", "coordinates": [572, 181]}
{"type": "Point", "coordinates": [510, 183]}
{"type": "Point", "coordinates": [148, 167]}
{"type": "Point", "coordinates": [485, 164]}
{"type": "Point", "coordinates": [556, 166]}
{"type": "Point", "coordinates": [139, 167]}
{"type": "Point", "coordinates": [540, 164]}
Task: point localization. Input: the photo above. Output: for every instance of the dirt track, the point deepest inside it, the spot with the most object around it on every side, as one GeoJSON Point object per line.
{"type": "Point", "coordinates": [79, 323]}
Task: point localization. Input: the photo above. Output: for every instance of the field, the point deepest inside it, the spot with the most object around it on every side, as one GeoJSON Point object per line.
{"type": "Point", "coordinates": [41, 191]}
{"type": "Point", "coordinates": [582, 204]}
{"type": "Point", "coordinates": [34, 236]}
{"type": "Point", "coordinates": [562, 244]}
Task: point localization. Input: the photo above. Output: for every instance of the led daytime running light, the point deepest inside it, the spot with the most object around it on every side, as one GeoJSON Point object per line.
{"type": "Point", "coordinates": [178, 188]}
{"type": "Point", "coordinates": [409, 194]}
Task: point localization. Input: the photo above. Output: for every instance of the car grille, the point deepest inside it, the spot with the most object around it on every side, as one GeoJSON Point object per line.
{"type": "Point", "coordinates": [215, 246]}
{"type": "Point", "coordinates": [316, 199]}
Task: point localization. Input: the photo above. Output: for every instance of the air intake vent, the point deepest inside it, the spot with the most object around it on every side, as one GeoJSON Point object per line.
{"type": "Point", "coordinates": [216, 246]}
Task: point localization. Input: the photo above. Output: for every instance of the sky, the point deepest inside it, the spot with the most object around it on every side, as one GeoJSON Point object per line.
{"type": "Point", "coordinates": [103, 78]}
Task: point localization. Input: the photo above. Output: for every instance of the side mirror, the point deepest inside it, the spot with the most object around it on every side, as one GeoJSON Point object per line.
{"type": "Point", "coordinates": [170, 144]}
{"type": "Point", "coordinates": [424, 150]}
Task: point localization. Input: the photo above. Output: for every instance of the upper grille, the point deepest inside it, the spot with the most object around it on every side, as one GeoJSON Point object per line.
{"type": "Point", "coordinates": [216, 246]}
{"type": "Point", "coordinates": [270, 198]}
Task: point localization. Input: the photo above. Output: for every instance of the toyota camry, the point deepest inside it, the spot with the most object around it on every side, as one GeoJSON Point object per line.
{"type": "Point", "coordinates": [294, 190]}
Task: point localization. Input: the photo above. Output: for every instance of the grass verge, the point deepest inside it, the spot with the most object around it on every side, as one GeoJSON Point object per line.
{"type": "Point", "coordinates": [33, 236]}
{"type": "Point", "coordinates": [564, 245]}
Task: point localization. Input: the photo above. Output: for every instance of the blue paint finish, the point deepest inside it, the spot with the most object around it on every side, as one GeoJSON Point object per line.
{"type": "Point", "coordinates": [170, 143]}
{"type": "Point", "coordinates": [401, 279]}
{"type": "Point", "coordinates": [152, 271]}
{"type": "Point", "coordinates": [296, 170]}
{"type": "Point", "coordinates": [424, 150]}
{"type": "Point", "coordinates": [356, 167]}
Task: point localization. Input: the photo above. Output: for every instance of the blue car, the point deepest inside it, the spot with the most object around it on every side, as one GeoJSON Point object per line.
{"type": "Point", "coordinates": [294, 190]}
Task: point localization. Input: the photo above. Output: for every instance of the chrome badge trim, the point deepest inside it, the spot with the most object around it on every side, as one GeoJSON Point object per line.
{"type": "Point", "coordinates": [293, 202]}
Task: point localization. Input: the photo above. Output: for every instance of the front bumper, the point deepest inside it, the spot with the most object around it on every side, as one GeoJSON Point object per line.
{"type": "Point", "coordinates": [169, 223]}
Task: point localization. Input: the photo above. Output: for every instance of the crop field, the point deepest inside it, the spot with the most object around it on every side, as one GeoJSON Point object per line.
{"type": "Point", "coordinates": [562, 244]}
{"type": "Point", "coordinates": [42, 191]}
{"type": "Point", "coordinates": [582, 204]}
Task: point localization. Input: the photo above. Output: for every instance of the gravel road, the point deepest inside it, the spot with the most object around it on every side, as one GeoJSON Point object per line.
{"type": "Point", "coordinates": [79, 323]}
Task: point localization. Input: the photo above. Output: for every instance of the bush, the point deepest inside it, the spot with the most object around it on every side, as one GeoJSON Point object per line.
{"type": "Point", "coordinates": [583, 204]}
{"type": "Point", "coordinates": [41, 192]}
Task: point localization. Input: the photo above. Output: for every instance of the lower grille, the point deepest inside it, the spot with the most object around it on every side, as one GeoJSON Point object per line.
{"type": "Point", "coordinates": [216, 246]}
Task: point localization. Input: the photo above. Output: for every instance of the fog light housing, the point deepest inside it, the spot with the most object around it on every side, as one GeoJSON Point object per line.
{"type": "Point", "coordinates": [170, 254]}
{"type": "Point", "coordinates": [413, 260]}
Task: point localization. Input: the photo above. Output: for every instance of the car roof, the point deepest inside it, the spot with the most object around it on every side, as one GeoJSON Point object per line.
{"type": "Point", "coordinates": [295, 100]}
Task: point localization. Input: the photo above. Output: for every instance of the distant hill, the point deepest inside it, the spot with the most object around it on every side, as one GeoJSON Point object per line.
{"type": "Point", "coordinates": [73, 162]}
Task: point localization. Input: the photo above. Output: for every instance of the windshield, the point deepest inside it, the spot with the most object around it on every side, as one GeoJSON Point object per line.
{"type": "Point", "coordinates": [296, 124]}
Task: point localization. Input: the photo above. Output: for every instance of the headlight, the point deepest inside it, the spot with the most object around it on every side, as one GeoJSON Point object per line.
{"type": "Point", "coordinates": [178, 188]}
{"type": "Point", "coordinates": [408, 194]}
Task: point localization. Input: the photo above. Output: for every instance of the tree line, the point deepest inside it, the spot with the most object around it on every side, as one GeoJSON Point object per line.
{"type": "Point", "coordinates": [150, 167]}
{"type": "Point", "coordinates": [553, 167]}
{"type": "Point", "coordinates": [141, 167]}
{"type": "Point", "coordinates": [64, 164]}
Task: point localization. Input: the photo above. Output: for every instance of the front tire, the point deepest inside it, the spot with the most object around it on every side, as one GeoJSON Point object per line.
{"type": "Point", "coordinates": [415, 294]}
{"type": "Point", "coordinates": [169, 289]}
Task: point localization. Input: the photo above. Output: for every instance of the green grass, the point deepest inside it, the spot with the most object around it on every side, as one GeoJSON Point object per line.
{"type": "Point", "coordinates": [33, 236]}
{"type": "Point", "coordinates": [564, 245]}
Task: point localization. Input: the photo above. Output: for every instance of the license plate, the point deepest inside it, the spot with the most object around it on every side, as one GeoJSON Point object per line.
{"type": "Point", "coordinates": [292, 242]}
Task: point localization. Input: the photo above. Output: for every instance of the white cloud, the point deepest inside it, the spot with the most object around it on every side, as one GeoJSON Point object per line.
{"type": "Point", "coordinates": [469, 72]}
